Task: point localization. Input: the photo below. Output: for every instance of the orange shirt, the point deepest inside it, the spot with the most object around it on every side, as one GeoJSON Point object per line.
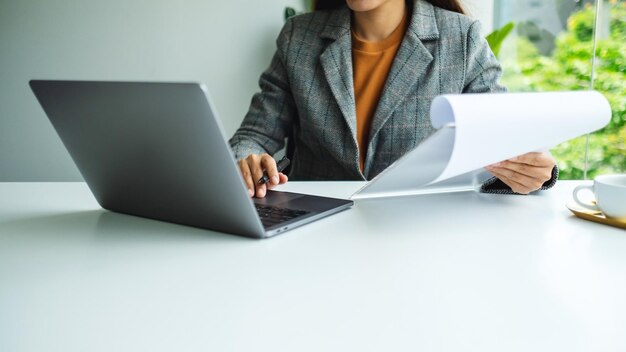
{"type": "Point", "coordinates": [371, 62]}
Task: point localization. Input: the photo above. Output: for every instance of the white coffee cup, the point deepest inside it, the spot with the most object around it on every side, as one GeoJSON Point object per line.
{"type": "Point", "coordinates": [610, 194]}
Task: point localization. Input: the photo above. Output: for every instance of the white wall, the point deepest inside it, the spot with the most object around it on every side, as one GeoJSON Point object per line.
{"type": "Point", "coordinates": [226, 44]}
{"type": "Point", "coordinates": [482, 10]}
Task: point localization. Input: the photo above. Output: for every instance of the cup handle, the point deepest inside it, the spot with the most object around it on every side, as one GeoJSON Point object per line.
{"type": "Point", "coordinates": [581, 203]}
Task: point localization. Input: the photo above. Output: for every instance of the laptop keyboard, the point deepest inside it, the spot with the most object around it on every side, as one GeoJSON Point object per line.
{"type": "Point", "coordinates": [271, 215]}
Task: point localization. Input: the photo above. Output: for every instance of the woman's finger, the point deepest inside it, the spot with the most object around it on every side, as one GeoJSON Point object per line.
{"type": "Point", "coordinates": [269, 164]}
{"type": "Point", "coordinates": [282, 179]}
{"type": "Point", "coordinates": [541, 173]}
{"type": "Point", "coordinates": [515, 185]}
{"type": "Point", "coordinates": [254, 162]}
{"type": "Point", "coordinates": [540, 159]}
{"type": "Point", "coordinates": [529, 182]}
{"type": "Point", "coordinates": [247, 176]}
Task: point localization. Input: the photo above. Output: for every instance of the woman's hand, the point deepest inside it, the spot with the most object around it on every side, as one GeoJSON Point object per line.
{"type": "Point", "coordinates": [252, 168]}
{"type": "Point", "coordinates": [525, 173]}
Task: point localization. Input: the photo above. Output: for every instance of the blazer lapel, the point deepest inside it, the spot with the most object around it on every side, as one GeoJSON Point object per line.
{"type": "Point", "coordinates": [336, 61]}
{"type": "Point", "coordinates": [410, 65]}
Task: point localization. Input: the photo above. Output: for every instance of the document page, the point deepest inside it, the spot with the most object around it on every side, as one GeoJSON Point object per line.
{"type": "Point", "coordinates": [476, 130]}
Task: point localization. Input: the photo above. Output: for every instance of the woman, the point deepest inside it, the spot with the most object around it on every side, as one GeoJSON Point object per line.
{"type": "Point", "coordinates": [351, 85]}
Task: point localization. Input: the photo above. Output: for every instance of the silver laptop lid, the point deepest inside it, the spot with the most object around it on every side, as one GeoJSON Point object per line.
{"type": "Point", "coordinates": [137, 147]}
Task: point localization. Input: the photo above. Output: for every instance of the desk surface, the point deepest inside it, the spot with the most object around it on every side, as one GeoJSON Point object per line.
{"type": "Point", "coordinates": [455, 272]}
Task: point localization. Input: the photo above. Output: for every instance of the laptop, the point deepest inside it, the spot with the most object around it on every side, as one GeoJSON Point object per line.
{"type": "Point", "coordinates": [157, 150]}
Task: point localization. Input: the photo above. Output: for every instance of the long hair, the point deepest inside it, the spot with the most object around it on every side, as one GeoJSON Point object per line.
{"type": "Point", "coordinates": [452, 5]}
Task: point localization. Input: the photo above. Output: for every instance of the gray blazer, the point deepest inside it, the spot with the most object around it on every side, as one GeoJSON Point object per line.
{"type": "Point", "coordinates": [307, 92]}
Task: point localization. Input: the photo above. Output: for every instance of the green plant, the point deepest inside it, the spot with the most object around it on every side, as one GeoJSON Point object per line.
{"type": "Point", "coordinates": [497, 37]}
{"type": "Point", "coordinates": [290, 11]}
{"type": "Point", "coordinates": [568, 67]}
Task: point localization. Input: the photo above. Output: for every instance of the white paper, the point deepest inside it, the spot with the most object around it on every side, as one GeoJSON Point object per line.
{"type": "Point", "coordinates": [476, 130]}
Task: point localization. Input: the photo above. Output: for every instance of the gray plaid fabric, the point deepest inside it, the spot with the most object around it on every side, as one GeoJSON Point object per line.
{"type": "Point", "coordinates": [308, 91]}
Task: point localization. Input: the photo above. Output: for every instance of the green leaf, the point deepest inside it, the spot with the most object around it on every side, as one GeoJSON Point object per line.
{"type": "Point", "coordinates": [497, 37]}
{"type": "Point", "coordinates": [289, 12]}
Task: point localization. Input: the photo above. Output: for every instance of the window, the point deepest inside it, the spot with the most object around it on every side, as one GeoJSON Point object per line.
{"type": "Point", "coordinates": [551, 49]}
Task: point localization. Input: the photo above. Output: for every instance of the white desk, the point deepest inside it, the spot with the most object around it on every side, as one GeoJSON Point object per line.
{"type": "Point", "coordinates": [457, 272]}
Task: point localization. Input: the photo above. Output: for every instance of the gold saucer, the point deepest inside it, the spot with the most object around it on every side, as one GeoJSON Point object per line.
{"type": "Point", "coordinates": [595, 216]}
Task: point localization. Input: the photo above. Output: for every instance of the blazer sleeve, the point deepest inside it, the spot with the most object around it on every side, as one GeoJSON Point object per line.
{"type": "Point", "coordinates": [272, 110]}
{"type": "Point", "coordinates": [482, 75]}
{"type": "Point", "coordinates": [482, 69]}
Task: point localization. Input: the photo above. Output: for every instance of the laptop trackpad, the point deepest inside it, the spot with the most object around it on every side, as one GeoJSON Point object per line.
{"type": "Point", "coordinates": [277, 198]}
